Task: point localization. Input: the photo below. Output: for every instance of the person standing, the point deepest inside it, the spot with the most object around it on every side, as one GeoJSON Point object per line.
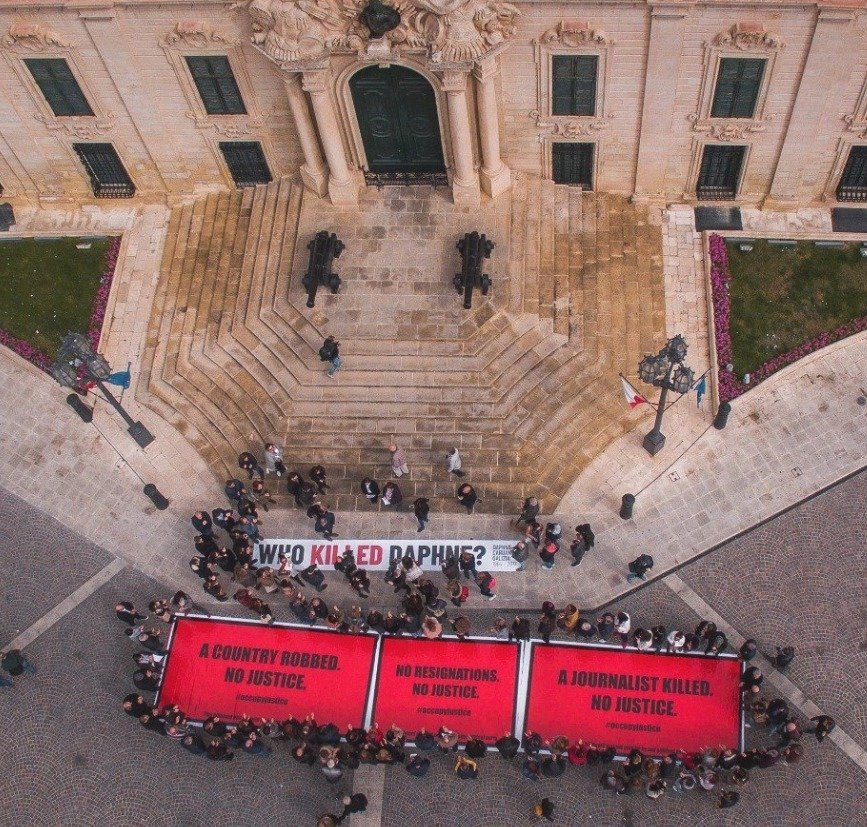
{"type": "Point", "coordinates": [639, 567]}
{"type": "Point", "coordinates": [453, 458]}
{"type": "Point", "coordinates": [467, 497]}
{"type": "Point", "coordinates": [421, 509]}
{"type": "Point", "coordinates": [202, 523]}
{"type": "Point", "coordinates": [544, 809]}
{"type": "Point", "coordinates": [391, 494]}
{"type": "Point", "coordinates": [824, 726]}
{"type": "Point", "coordinates": [356, 803]}
{"type": "Point", "coordinates": [486, 583]}
{"type": "Point", "coordinates": [15, 663]}
{"type": "Point", "coordinates": [324, 524]}
{"type": "Point", "coordinates": [399, 465]}
{"type": "Point", "coordinates": [330, 352]}
{"type": "Point", "coordinates": [317, 474]}
{"type": "Point", "coordinates": [529, 511]}
{"type": "Point", "coordinates": [247, 462]}
{"type": "Point", "coordinates": [274, 459]}
{"type": "Point", "coordinates": [370, 489]}
{"type": "Point", "coordinates": [547, 554]}
{"type": "Point", "coordinates": [622, 625]}
{"type": "Point", "coordinates": [520, 553]}
{"type": "Point", "coordinates": [578, 549]}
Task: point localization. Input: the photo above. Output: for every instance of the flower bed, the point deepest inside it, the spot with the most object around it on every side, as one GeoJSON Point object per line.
{"type": "Point", "coordinates": [729, 385]}
{"type": "Point", "coordinates": [34, 352]}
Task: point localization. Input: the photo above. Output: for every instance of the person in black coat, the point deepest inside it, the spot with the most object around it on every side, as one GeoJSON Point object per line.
{"type": "Point", "coordinates": [508, 746]}
{"type": "Point", "coordinates": [370, 489]}
{"type": "Point", "coordinates": [421, 509]}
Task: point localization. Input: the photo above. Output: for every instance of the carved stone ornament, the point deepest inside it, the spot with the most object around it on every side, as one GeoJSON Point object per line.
{"type": "Point", "coordinates": [237, 128]}
{"type": "Point", "coordinates": [729, 130]}
{"type": "Point", "coordinates": [574, 34]}
{"type": "Point", "coordinates": [449, 31]}
{"type": "Point", "coordinates": [379, 18]}
{"type": "Point", "coordinates": [194, 33]}
{"type": "Point", "coordinates": [34, 38]}
{"type": "Point", "coordinates": [86, 128]}
{"type": "Point", "coordinates": [748, 37]}
{"type": "Point", "coordinates": [855, 124]}
{"type": "Point", "coordinates": [572, 128]}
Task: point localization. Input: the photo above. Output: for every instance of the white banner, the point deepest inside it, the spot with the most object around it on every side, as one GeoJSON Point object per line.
{"type": "Point", "coordinates": [377, 555]}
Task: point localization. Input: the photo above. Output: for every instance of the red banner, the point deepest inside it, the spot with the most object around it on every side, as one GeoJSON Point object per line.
{"type": "Point", "coordinates": [468, 686]}
{"type": "Point", "coordinates": [229, 668]}
{"type": "Point", "coordinates": [624, 698]}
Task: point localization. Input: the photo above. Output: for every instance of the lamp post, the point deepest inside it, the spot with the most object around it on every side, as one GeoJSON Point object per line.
{"type": "Point", "coordinates": [667, 371]}
{"type": "Point", "coordinates": [76, 359]}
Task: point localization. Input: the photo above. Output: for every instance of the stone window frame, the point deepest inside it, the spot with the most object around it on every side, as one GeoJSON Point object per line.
{"type": "Point", "coordinates": [86, 127]}
{"type": "Point", "coordinates": [571, 37]}
{"type": "Point", "coordinates": [566, 39]}
{"type": "Point", "coordinates": [578, 139]}
{"type": "Point", "coordinates": [203, 41]}
{"type": "Point", "coordinates": [855, 135]}
{"type": "Point", "coordinates": [690, 195]}
{"type": "Point", "coordinates": [199, 39]}
{"type": "Point", "coordinates": [741, 41]}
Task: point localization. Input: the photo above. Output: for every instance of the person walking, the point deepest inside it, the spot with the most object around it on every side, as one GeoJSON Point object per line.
{"type": "Point", "coordinates": [785, 655]}
{"type": "Point", "coordinates": [544, 809]}
{"type": "Point", "coordinates": [370, 489]}
{"type": "Point", "coordinates": [639, 567]}
{"type": "Point", "coordinates": [421, 509]}
{"type": "Point", "coordinates": [467, 497]}
{"type": "Point", "coordinates": [127, 613]}
{"type": "Point", "coordinates": [578, 549]}
{"type": "Point", "coordinates": [399, 465]}
{"type": "Point", "coordinates": [824, 726]}
{"type": "Point", "coordinates": [14, 662]}
{"type": "Point", "coordinates": [330, 352]}
{"type": "Point", "coordinates": [486, 583]}
{"type": "Point", "coordinates": [453, 460]}
{"type": "Point", "coordinates": [355, 803]}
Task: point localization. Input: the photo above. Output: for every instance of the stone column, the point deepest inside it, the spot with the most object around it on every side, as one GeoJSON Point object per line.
{"type": "Point", "coordinates": [342, 188]}
{"type": "Point", "coordinates": [667, 29]}
{"type": "Point", "coordinates": [465, 180]}
{"type": "Point", "coordinates": [495, 175]}
{"type": "Point", "coordinates": [833, 53]}
{"type": "Point", "coordinates": [313, 171]}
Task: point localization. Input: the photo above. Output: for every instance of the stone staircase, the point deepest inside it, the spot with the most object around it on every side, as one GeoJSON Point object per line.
{"type": "Point", "coordinates": [524, 384]}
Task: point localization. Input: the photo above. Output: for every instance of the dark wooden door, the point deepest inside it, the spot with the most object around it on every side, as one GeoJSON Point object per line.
{"type": "Point", "coordinates": [397, 116]}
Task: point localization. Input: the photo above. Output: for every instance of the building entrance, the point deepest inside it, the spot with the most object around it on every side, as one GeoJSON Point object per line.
{"type": "Point", "coordinates": [397, 116]}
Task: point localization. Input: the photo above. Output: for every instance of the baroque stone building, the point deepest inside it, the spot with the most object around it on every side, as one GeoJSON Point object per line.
{"type": "Point", "coordinates": [759, 103]}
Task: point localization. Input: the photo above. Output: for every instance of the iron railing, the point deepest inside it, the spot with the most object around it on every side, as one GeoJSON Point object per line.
{"type": "Point", "coordinates": [715, 193]}
{"type": "Point", "coordinates": [117, 190]}
{"type": "Point", "coordinates": [851, 193]}
{"type": "Point", "coordinates": [405, 179]}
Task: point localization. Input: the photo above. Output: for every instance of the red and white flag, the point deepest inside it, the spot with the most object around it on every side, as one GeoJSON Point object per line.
{"type": "Point", "coordinates": [633, 397]}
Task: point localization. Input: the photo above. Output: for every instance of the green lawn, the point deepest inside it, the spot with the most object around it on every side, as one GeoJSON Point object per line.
{"type": "Point", "coordinates": [782, 297]}
{"type": "Point", "coordinates": [47, 288]}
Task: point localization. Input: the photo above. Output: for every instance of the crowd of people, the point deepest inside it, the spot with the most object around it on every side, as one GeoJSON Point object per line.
{"type": "Point", "coordinates": [425, 607]}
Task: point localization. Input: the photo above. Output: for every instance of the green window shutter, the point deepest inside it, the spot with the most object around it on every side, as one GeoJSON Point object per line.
{"type": "Point", "coordinates": [216, 84]}
{"type": "Point", "coordinates": [737, 87]}
{"type": "Point", "coordinates": [59, 86]}
{"type": "Point", "coordinates": [246, 162]}
{"type": "Point", "coordinates": [574, 84]}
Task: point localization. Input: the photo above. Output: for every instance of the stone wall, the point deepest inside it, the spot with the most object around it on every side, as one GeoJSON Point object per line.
{"type": "Point", "coordinates": [656, 82]}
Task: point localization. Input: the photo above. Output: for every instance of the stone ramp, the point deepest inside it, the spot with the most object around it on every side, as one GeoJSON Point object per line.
{"type": "Point", "coordinates": [525, 384]}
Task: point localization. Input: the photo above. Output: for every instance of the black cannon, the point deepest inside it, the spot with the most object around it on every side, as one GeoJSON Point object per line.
{"type": "Point", "coordinates": [324, 248]}
{"type": "Point", "coordinates": [474, 248]}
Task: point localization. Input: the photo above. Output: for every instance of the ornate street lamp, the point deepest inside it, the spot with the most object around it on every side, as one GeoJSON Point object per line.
{"type": "Point", "coordinates": [667, 371]}
{"type": "Point", "coordinates": [75, 361]}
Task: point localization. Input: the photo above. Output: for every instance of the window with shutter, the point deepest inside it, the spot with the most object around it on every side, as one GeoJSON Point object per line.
{"type": "Point", "coordinates": [59, 86]}
{"type": "Point", "coordinates": [106, 171]}
{"type": "Point", "coordinates": [720, 172]}
{"type": "Point", "coordinates": [737, 87]}
{"type": "Point", "coordinates": [572, 163]}
{"type": "Point", "coordinates": [574, 84]}
{"type": "Point", "coordinates": [853, 181]}
{"type": "Point", "coordinates": [217, 86]}
{"type": "Point", "coordinates": [246, 162]}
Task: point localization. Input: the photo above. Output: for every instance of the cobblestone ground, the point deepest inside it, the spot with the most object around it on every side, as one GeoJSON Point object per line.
{"type": "Point", "coordinates": [73, 758]}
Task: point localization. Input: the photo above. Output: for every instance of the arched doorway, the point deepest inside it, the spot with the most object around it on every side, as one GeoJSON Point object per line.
{"type": "Point", "coordinates": [397, 118]}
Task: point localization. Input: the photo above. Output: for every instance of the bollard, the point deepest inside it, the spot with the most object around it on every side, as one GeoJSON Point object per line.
{"type": "Point", "coordinates": [75, 402]}
{"type": "Point", "coordinates": [626, 506]}
{"type": "Point", "coordinates": [153, 494]}
{"type": "Point", "coordinates": [722, 416]}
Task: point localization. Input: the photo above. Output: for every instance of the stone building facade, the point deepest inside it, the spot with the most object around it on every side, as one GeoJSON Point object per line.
{"type": "Point", "coordinates": [761, 103]}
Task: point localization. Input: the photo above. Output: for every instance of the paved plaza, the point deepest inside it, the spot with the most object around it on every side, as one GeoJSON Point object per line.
{"type": "Point", "coordinates": [73, 757]}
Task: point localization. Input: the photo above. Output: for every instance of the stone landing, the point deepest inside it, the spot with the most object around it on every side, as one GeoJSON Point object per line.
{"type": "Point", "coordinates": [525, 383]}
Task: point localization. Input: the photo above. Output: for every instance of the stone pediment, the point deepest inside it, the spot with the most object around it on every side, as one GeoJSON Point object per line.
{"type": "Point", "coordinates": [448, 31]}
